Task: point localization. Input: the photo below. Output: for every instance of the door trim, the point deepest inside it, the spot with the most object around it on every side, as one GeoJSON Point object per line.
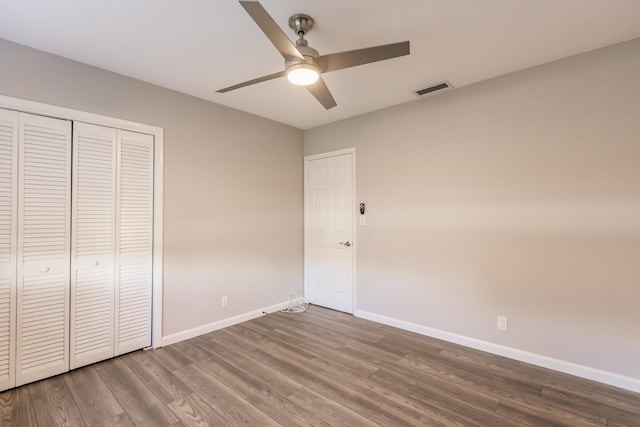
{"type": "Point", "coordinates": [54, 111]}
{"type": "Point", "coordinates": [307, 159]}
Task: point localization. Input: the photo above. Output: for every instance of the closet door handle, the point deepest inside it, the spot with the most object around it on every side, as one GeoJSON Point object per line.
{"type": "Point", "coordinates": [347, 243]}
{"type": "Point", "coordinates": [95, 263]}
{"type": "Point", "coordinates": [45, 269]}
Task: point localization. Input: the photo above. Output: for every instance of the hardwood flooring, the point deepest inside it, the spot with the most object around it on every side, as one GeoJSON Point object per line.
{"type": "Point", "coordinates": [318, 368]}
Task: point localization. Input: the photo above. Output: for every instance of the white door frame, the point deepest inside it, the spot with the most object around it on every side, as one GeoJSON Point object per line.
{"type": "Point", "coordinates": [32, 107]}
{"type": "Point", "coordinates": [354, 246]}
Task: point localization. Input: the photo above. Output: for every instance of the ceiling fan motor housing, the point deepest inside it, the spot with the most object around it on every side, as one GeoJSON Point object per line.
{"type": "Point", "coordinates": [308, 52]}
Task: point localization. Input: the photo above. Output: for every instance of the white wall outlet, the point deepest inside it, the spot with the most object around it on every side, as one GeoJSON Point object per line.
{"type": "Point", "coordinates": [363, 220]}
{"type": "Point", "coordinates": [502, 323]}
{"type": "Point", "coordinates": [224, 301]}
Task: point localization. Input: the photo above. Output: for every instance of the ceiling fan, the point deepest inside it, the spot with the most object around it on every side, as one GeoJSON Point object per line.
{"type": "Point", "coordinates": [303, 64]}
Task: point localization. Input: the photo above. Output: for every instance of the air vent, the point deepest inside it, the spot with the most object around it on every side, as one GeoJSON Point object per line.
{"type": "Point", "coordinates": [436, 88]}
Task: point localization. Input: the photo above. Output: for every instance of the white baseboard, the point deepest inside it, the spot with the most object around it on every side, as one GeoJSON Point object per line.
{"type": "Point", "coordinates": [605, 377]}
{"type": "Point", "coordinates": [210, 327]}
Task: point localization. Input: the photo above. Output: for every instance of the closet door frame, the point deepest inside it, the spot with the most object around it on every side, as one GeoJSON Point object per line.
{"type": "Point", "coordinates": [32, 107]}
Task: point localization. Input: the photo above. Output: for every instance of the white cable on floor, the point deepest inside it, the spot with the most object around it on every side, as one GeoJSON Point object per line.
{"type": "Point", "coordinates": [300, 307]}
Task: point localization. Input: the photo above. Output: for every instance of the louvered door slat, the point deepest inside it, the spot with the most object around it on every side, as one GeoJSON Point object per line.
{"type": "Point", "coordinates": [134, 241]}
{"type": "Point", "coordinates": [93, 247]}
{"type": "Point", "coordinates": [8, 228]}
{"type": "Point", "coordinates": [43, 248]}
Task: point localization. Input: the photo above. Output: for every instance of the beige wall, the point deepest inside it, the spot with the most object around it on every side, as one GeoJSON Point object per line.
{"type": "Point", "coordinates": [518, 196]}
{"type": "Point", "coordinates": [233, 185]}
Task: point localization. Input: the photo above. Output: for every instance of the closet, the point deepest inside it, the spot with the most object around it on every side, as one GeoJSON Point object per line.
{"type": "Point", "coordinates": [76, 244]}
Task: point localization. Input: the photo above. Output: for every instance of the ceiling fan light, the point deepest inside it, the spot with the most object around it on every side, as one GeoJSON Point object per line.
{"type": "Point", "coordinates": [302, 74]}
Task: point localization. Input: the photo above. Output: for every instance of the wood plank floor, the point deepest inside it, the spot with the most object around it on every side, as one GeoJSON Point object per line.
{"type": "Point", "coordinates": [320, 368]}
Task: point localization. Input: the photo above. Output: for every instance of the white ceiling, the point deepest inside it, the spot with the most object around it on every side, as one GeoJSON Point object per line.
{"type": "Point", "coordinates": [199, 46]}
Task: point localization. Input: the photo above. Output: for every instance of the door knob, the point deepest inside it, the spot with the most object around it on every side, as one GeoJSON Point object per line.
{"type": "Point", "coordinates": [347, 243]}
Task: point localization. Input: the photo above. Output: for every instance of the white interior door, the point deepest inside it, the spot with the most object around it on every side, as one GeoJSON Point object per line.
{"type": "Point", "coordinates": [329, 217]}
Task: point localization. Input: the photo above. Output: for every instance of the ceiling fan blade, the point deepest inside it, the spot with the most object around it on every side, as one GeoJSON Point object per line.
{"type": "Point", "coordinates": [273, 32]}
{"type": "Point", "coordinates": [252, 82]}
{"type": "Point", "coordinates": [320, 90]}
{"type": "Point", "coordinates": [338, 61]}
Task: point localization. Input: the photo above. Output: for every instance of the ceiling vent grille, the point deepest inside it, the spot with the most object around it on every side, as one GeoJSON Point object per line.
{"type": "Point", "coordinates": [436, 88]}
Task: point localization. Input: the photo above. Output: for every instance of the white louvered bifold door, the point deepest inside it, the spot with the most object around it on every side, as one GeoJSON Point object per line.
{"type": "Point", "coordinates": [93, 244]}
{"type": "Point", "coordinates": [8, 229]}
{"type": "Point", "coordinates": [43, 248]}
{"type": "Point", "coordinates": [134, 241]}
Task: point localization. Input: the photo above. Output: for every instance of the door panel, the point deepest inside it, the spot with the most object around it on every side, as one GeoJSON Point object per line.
{"type": "Point", "coordinates": [134, 241]}
{"type": "Point", "coordinates": [93, 244]}
{"type": "Point", "coordinates": [43, 248]}
{"type": "Point", "coordinates": [8, 228]}
{"type": "Point", "coordinates": [329, 214]}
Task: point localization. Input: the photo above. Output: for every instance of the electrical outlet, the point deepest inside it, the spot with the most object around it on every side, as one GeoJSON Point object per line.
{"type": "Point", "coordinates": [224, 301]}
{"type": "Point", "coordinates": [502, 323]}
